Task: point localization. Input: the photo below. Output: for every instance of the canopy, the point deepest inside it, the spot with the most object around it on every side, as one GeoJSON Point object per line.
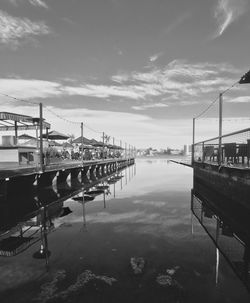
{"type": "Point", "coordinates": [54, 135]}
{"type": "Point", "coordinates": [12, 121]}
{"type": "Point", "coordinates": [78, 140]}
{"type": "Point", "coordinates": [96, 143]}
{"type": "Point", "coordinates": [25, 137]}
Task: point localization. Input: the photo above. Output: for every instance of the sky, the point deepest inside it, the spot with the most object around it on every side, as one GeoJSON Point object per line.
{"type": "Point", "coordinates": [138, 70]}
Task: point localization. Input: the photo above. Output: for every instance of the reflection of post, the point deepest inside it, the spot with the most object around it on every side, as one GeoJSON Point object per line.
{"type": "Point", "coordinates": [83, 210]}
{"type": "Point", "coordinates": [126, 179]}
{"type": "Point", "coordinates": [192, 208]}
{"type": "Point", "coordinates": [104, 200]}
{"type": "Point", "coordinates": [114, 190]}
{"type": "Point", "coordinates": [121, 183]}
{"type": "Point", "coordinates": [134, 169]}
{"type": "Point", "coordinates": [217, 253]}
{"type": "Point", "coordinates": [129, 173]}
{"type": "Point", "coordinates": [45, 238]}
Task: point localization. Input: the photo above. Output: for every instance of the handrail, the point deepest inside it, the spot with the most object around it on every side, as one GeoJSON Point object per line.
{"type": "Point", "coordinates": [226, 135]}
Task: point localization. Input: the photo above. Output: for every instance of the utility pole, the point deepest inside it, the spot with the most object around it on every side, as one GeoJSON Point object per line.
{"type": "Point", "coordinates": [220, 129]}
{"type": "Point", "coordinates": [193, 141]}
{"type": "Point", "coordinates": [82, 141]}
{"type": "Point", "coordinates": [41, 134]}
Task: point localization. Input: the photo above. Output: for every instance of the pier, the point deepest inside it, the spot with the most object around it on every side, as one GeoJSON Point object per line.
{"type": "Point", "coordinates": [26, 161]}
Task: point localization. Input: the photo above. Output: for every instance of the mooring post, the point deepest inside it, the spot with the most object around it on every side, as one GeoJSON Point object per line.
{"type": "Point", "coordinates": [41, 134]}
{"type": "Point", "coordinates": [220, 129]}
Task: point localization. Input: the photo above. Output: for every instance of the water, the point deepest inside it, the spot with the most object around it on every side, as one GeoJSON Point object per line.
{"type": "Point", "coordinates": [147, 214]}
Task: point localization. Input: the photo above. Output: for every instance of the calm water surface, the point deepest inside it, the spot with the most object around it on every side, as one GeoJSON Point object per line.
{"type": "Point", "coordinates": [147, 214]}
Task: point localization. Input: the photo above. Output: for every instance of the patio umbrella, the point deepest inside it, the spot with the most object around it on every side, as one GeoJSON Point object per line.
{"type": "Point", "coordinates": [96, 143]}
{"type": "Point", "coordinates": [54, 135]}
{"type": "Point", "coordinates": [78, 140]}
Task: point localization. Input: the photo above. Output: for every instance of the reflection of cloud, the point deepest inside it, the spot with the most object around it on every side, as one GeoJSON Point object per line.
{"type": "Point", "coordinates": [150, 203]}
{"type": "Point", "coordinates": [105, 217]}
{"type": "Point", "coordinates": [227, 11]}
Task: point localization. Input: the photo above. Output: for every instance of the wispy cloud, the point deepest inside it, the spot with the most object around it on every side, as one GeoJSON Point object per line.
{"type": "Point", "coordinates": [179, 21]}
{"type": "Point", "coordinates": [38, 3]}
{"type": "Point", "coordinates": [147, 106]}
{"type": "Point", "coordinates": [155, 57]}
{"type": "Point", "coordinates": [241, 99]}
{"type": "Point", "coordinates": [14, 29]}
{"type": "Point", "coordinates": [178, 83]}
{"type": "Point", "coordinates": [227, 11]}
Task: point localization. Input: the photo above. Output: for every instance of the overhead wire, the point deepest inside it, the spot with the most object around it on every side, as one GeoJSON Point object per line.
{"type": "Point", "coordinates": [213, 102]}
{"type": "Point", "coordinates": [51, 111]}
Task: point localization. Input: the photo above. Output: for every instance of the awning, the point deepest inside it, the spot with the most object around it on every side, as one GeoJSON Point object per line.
{"type": "Point", "coordinates": [12, 121]}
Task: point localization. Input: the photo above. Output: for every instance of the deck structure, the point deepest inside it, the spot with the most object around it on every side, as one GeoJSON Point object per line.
{"type": "Point", "coordinates": [223, 164]}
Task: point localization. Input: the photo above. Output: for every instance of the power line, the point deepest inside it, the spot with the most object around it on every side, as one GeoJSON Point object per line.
{"type": "Point", "coordinates": [206, 109]}
{"type": "Point", "coordinates": [48, 109]}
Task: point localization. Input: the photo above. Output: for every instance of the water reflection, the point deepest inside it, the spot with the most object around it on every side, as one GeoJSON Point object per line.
{"type": "Point", "coordinates": [228, 226]}
{"type": "Point", "coordinates": [26, 219]}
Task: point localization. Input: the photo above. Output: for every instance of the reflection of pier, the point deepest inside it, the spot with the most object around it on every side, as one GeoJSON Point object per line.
{"type": "Point", "coordinates": [25, 178]}
{"type": "Point", "coordinates": [228, 227]}
{"type": "Point", "coordinates": [26, 218]}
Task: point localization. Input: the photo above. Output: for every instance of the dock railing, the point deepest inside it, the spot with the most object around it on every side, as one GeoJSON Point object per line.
{"type": "Point", "coordinates": [231, 149]}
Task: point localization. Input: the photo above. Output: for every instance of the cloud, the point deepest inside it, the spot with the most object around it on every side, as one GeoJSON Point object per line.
{"type": "Point", "coordinates": [178, 83]}
{"type": "Point", "coordinates": [228, 11]}
{"type": "Point", "coordinates": [179, 21]}
{"type": "Point", "coordinates": [38, 3]}
{"type": "Point", "coordinates": [241, 99]}
{"type": "Point", "coordinates": [29, 89]}
{"type": "Point", "coordinates": [147, 106]}
{"type": "Point", "coordinates": [179, 80]}
{"type": "Point", "coordinates": [14, 29]}
{"type": "Point", "coordinates": [155, 57]}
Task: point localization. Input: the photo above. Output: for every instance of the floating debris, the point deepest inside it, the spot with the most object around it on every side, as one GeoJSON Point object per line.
{"type": "Point", "coordinates": [48, 292]}
{"type": "Point", "coordinates": [172, 271]}
{"type": "Point", "coordinates": [168, 281]}
{"type": "Point", "coordinates": [164, 280]}
{"type": "Point", "coordinates": [137, 265]}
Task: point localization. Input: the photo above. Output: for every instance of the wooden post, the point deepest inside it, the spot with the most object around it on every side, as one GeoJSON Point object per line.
{"type": "Point", "coordinates": [193, 141]}
{"type": "Point", "coordinates": [41, 134]}
{"type": "Point", "coordinates": [220, 129]}
{"type": "Point", "coordinates": [103, 145]}
{"type": "Point", "coordinates": [16, 134]}
{"type": "Point", "coordinates": [82, 141]}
